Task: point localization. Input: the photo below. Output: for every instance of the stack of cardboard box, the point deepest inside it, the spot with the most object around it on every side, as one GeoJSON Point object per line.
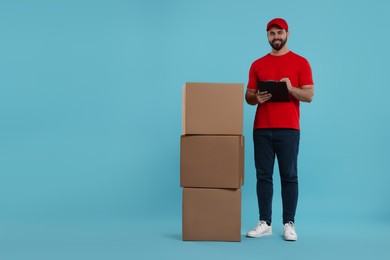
{"type": "Point", "coordinates": [212, 161]}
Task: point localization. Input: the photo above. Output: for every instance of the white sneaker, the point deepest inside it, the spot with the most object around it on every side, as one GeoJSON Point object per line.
{"type": "Point", "coordinates": [261, 229]}
{"type": "Point", "coordinates": [289, 232]}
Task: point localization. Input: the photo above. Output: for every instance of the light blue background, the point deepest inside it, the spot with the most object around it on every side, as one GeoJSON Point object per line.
{"type": "Point", "coordinates": [90, 124]}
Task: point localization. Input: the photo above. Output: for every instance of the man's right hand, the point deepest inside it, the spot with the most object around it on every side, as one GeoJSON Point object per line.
{"type": "Point", "coordinates": [263, 97]}
{"type": "Point", "coordinates": [254, 98]}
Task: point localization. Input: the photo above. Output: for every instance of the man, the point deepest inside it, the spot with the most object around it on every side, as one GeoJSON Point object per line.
{"type": "Point", "coordinates": [276, 127]}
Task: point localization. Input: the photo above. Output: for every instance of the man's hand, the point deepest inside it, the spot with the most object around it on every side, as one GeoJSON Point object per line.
{"type": "Point", "coordinates": [304, 93]}
{"type": "Point", "coordinates": [254, 98]}
{"type": "Point", "coordinates": [288, 83]}
{"type": "Point", "coordinates": [263, 97]}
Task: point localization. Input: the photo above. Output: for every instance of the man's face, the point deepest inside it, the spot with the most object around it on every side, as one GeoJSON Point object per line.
{"type": "Point", "coordinates": [277, 37]}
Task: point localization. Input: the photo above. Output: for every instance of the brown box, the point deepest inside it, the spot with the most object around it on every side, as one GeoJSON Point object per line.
{"type": "Point", "coordinates": [212, 161]}
{"type": "Point", "coordinates": [212, 108]}
{"type": "Point", "coordinates": [211, 214]}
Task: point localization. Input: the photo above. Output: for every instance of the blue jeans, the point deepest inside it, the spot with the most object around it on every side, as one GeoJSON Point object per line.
{"type": "Point", "coordinates": [284, 143]}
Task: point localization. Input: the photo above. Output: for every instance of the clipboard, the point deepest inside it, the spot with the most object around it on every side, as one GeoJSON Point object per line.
{"type": "Point", "coordinates": [278, 90]}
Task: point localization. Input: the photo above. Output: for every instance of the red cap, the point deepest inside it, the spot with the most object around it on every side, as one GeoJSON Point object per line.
{"type": "Point", "coordinates": [278, 22]}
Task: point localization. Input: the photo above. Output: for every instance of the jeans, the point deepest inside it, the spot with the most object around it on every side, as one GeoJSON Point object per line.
{"type": "Point", "coordinates": [284, 143]}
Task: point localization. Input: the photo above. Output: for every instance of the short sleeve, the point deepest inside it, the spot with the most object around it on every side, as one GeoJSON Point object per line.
{"type": "Point", "coordinates": [252, 82]}
{"type": "Point", "coordinates": [305, 74]}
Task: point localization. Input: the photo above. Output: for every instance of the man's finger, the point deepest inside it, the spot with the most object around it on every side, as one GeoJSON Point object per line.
{"type": "Point", "coordinates": [264, 98]}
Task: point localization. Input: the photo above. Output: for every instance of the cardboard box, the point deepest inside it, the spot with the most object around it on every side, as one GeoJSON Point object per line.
{"type": "Point", "coordinates": [212, 161]}
{"type": "Point", "coordinates": [211, 214]}
{"type": "Point", "coordinates": [212, 108]}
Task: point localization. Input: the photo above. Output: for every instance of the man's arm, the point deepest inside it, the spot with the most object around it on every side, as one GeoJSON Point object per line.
{"type": "Point", "coordinates": [253, 98]}
{"type": "Point", "coordinates": [250, 96]}
{"type": "Point", "coordinates": [304, 93]}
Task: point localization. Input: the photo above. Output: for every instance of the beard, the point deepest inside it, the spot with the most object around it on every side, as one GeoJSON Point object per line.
{"type": "Point", "coordinates": [278, 44]}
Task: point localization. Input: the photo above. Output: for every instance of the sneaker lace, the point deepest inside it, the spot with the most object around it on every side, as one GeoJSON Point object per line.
{"type": "Point", "coordinates": [291, 224]}
{"type": "Point", "coordinates": [258, 225]}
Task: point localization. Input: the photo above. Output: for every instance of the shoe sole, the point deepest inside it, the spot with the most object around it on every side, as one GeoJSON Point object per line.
{"type": "Point", "coordinates": [291, 239]}
{"type": "Point", "coordinates": [265, 234]}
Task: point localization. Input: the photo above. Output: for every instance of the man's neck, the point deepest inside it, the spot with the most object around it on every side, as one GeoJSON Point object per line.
{"type": "Point", "coordinates": [280, 52]}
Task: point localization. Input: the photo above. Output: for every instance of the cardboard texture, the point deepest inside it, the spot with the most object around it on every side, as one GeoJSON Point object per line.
{"type": "Point", "coordinates": [212, 108]}
{"type": "Point", "coordinates": [211, 214]}
{"type": "Point", "coordinates": [212, 161]}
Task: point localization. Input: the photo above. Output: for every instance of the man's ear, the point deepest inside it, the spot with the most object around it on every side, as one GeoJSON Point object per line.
{"type": "Point", "coordinates": [288, 34]}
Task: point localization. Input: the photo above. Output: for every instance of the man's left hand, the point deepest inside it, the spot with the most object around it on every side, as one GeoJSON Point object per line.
{"type": "Point", "coordinates": [288, 83]}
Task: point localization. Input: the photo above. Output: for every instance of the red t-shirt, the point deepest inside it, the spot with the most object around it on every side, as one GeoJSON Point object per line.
{"type": "Point", "coordinates": [269, 67]}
